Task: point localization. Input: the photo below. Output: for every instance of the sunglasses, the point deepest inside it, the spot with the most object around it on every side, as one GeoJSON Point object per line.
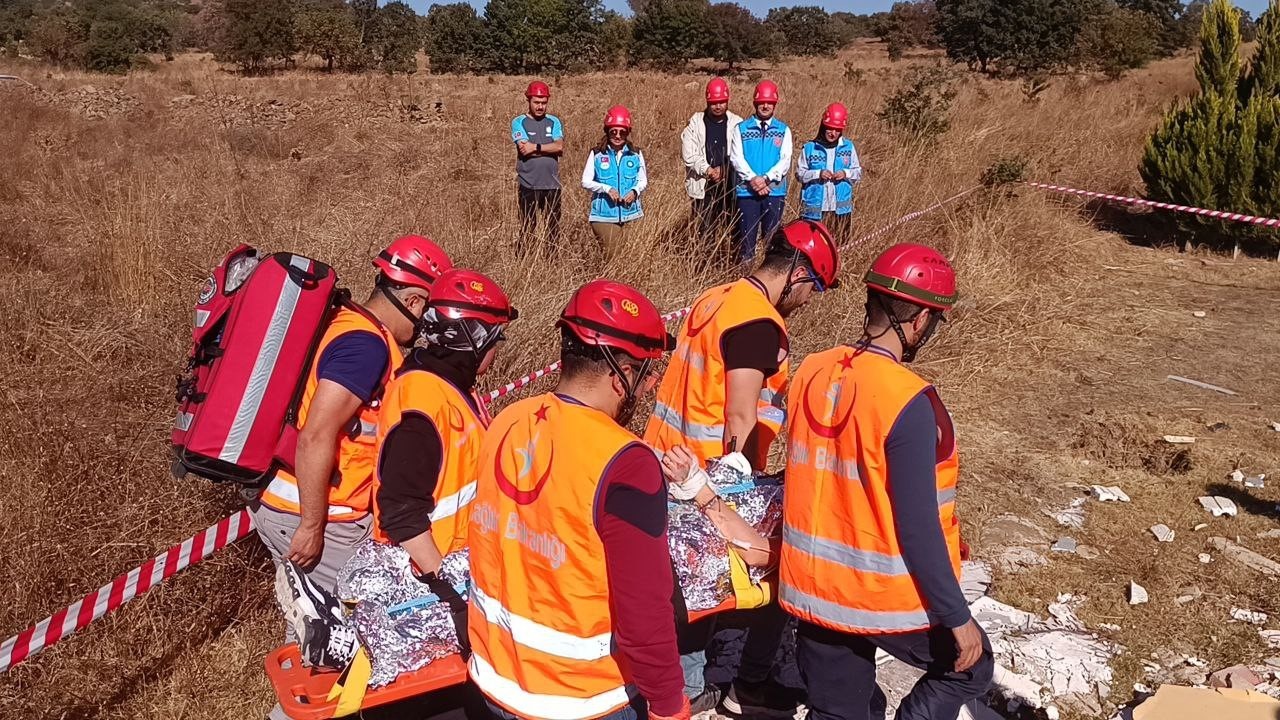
{"type": "Point", "coordinates": [619, 131]}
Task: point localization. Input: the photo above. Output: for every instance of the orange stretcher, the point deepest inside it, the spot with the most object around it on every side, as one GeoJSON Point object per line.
{"type": "Point", "coordinates": [304, 692]}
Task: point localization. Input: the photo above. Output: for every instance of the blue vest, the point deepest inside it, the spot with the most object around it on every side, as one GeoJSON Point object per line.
{"type": "Point", "coordinates": [620, 172]}
{"type": "Point", "coordinates": [762, 151]}
{"type": "Point", "coordinates": [814, 194]}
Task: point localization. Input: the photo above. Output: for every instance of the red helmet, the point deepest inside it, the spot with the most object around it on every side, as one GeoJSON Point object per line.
{"type": "Point", "coordinates": [717, 91]}
{"type": "Point", "coordinates": [537, 89]}
{"type": "Point", "coordinates": [835, 116]}
{"type": "Point", "coordinates": [812, 239]}
{"type": "Point", "coordinates": [766, 92]}
{"type": "Point", "coordinates": [610, 314]}
{"type": "Point", "coordinates": [461, 294]}
{"type": "Point", "coordinates": [916, 274]}
{"type": "Point", "coordinates": [412, 260]}
{"type": "Point", "coordinates": [618, 117]}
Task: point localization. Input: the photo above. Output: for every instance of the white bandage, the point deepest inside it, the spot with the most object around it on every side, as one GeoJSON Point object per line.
{"type": "Point", "coordinates": [691, 486]}
{"type": "Point", "coordinates": [737, 462]}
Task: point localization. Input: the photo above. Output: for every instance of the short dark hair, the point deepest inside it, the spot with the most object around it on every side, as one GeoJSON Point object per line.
{"type": "Point", "coordinates": [780, 257]}
{"type": "Point", "coordinates": [578, 358]}
{"type": "Point", "coordinates": [881, 305]}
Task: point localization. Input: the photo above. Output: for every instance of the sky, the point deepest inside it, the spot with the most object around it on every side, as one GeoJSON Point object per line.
{"type": "Point", "coordinates": [760, 7]}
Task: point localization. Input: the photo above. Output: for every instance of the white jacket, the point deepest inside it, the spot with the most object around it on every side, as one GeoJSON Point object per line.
{"type": "Point", "coordinates": [693, 147]}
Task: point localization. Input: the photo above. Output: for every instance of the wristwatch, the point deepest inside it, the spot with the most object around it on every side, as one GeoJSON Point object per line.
{"type": "Point", "coordinates": [539, 147]}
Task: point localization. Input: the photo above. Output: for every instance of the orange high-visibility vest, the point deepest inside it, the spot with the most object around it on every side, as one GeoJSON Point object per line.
{"type": "Point", "coordinates": [690, 406]}
{"type": "Point", "coordinates": [539, 620]}
{"type": "Point", "coordinates": [352, 481]}
{"type": "Point", "coordinates": [842, 567]}
{"type": "Point", "coordinates": [461, 433]}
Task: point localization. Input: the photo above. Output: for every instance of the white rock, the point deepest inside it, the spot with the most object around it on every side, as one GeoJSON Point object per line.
{"type": "Point", "coordinates": [1110, 493]}
{"type": "Point", "coordinates": [1252, 617]}
{"type": "Point", "coordinates": [1256, 481]}
{"type": "Point", "coordinates": [1137, 594]}
{"type": "Point", "coordinates": [1162, 533]}
{"type": "Point", "coordinates": [1110, 627]}
{"type": "Point", "coordinates": [1200, 314]}
{"type": "Point", "coordinates": [1194, 661]}
{"type": "Point", "coordinates": [1270, 637]}
{"type": "Point", "coordinates": [1071, 516]}
{"type": "Point", "coordinates": [1273, 534]}
{"type": "Point", "coordinates": [1236, 476]}
{"type": "Point", "coordinates": [1199, 527]}
{"type": "Point", "coordinates": [1065, 545]}
{"type": "Point", "coordinates": [1205, 558]}
{"type": "Point", "coordinates": [1218, 505]}
{"type": "Point", "coordinates": [1179, 439]}
{"type": "Point", "coordinates": [1275, 426]}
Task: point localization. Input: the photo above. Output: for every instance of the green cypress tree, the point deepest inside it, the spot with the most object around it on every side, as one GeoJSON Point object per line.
{"type": "Point", "coordinates": [1218, 69]}
{"type": "Point", "coordinates": [1264, 69]}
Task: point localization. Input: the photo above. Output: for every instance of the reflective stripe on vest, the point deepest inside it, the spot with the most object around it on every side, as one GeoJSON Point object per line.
{"type": "Point", "coordinates": [350, 491]}
{"type": "Point", "coordinates": [841, 564]}
{"type": "Point", "coordinates": [540, 618]}
{"type": "Point", "coordinates": [461, 432]}
{"type": "Point", "coordinates": [690, 404]}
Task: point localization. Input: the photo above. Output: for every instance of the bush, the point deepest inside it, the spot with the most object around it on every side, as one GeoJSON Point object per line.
{"type": "Point", "coordinates": [909, 25]}
{"type": "Point", "coordinates": [919, 110]}
{"type": "Point", "coordinates": [807, 30]}
{"type": "Point", "coordinates": [540, 36]}
{"type": "Point", "coordinates": [670, 33]}
{"type": "Point", "coordinates": [615, 35]}
{"type": "Point", "coordinates": [393, 38]}
{"type": "Point", "coordinates": [1020, 36]}
{"type": "Point", "coordinates": [257, 31]}
{"type": "Point", "coordinates": [329, 33]}
{"type": "Point", "coordinates": [735, 36]}
{"type": "Point", "coordinates": [1118, 40]}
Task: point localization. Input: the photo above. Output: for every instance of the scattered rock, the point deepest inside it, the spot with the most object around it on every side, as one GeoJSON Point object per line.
{"type": "Point", "coordinates": [1022, 542]}
{"type": "Point", "coordinates": [1236, 676]}
{"type": "Point", "coordinates": [1218, 426]}
{"type": "Point", "coordinates": [1256, 481]}
{"type": "Point", "coordinates": [1064, 611]}
{"type": "Point", "coordinates": [1218, 505]}
{"type": "Point", "coordinates": [1274, 425]}
{"type": "Point", "coordinates": [1179, 439]}
{"type": "Point", "coordinates": [1191, 593]}
{"type": "Point", "coordinates": [1205, 558]}
{"type": "Point", "coordinates": [181, 100]}
{"type": "Point", "coordinates": [1137, 594]}
{"type": "Point", "coordinates": [1162, 533]}
{"type": "Point", "coordinates": [1199, 314]}
{"type": "Point", "coordinates": [1109, 627]}
{"type": "Point", "coordinates": [1269, 534]}
{"type": "Point", "coordinates": [1065, 545]}
{"type": "Point", "coordinates": [1199, 527]}
{"type": "Point", "coordinates": [1272, 662]}
{"type": "Point", "coordinates": [1189, 676]}
{"type": "Point", "coordinates": [1252, 617]}
{"type": "Point", "coordinates": [1071, 516]}
{"type": "Point", "coordinates": [1270, 637]}
{"type": "Point", "coordinates": [1088, 552]}
{"type": "Point", "coordinates": [975, 578]}
{"type": "Point", "coordinates": [1194, 661]}
{"type": "Point", "coordinates": [1246, 557]}
{"type": "Point", "coordinates": [1110, 493]}
{"type": "Point", "coordinates": [1236, 476]}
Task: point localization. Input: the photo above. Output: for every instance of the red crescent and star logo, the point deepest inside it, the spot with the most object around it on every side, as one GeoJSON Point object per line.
{"type": "Point", "coordinates": [833, 394]}
{"type": "Point", "coordinates": [509, 488]}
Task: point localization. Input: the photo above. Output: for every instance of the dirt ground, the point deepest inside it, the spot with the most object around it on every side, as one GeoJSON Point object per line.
{"type": "Point", "coordinates": [116, 195]}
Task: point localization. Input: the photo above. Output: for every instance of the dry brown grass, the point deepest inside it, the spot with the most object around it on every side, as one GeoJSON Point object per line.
{"type": "Point", "coordinates": [108, 223]}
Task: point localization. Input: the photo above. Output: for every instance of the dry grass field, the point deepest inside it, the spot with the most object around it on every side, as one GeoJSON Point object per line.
{"type": "Point", "coordinates": [116, 199]}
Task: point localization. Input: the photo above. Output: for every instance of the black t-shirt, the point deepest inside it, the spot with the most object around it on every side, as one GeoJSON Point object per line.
{"type": "Point", "coordinates": [756, 345]}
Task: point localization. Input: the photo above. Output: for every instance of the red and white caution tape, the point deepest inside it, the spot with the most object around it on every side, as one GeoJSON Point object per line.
{"type": "Point", "coordinates": [909, 217]}
{"type": "Point", "coordinates": [123, 589]}
{"type": "Point", "coordinates": [1219, 214]}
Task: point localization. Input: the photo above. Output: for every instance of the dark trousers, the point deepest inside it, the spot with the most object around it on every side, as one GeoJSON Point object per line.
{"type": "Point", "coordinates": [535, 203]}
{"type": "Point", "coordinates": [758, 217]}
{"type": "Point", "coordinates": [839, 672]}
{"type": "Point", "coordinates": [764, 635]}
{"type": "Point", "coordinates": [637, 709]}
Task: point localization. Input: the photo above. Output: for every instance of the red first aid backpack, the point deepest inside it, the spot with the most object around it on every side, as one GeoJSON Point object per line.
{"type": "Point", "coordinates": [258, 322]}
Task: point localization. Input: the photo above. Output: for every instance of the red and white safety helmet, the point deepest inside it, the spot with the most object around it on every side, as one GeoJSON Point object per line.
{"type": "Point", "coordinates": [466, 310]}
{"type": "Point", "coordinates": [618, 117]}
{"type": "Point", "coordinates": [413, 260]}
{"type": "Point", "coordinates": [537, 89]}
{"type": "Point", "coordinates": [766, 92]}
{"type": "Point", "coordinates": [717, 91]}
{"type": "Point", "coordinates": [836, 116]}
{"type": "Point", "coordinates": [915, 273]}
{"type": "Point", "coordinates": [812, 240]}
{"type": "Point", "coordinates": [608, 314]}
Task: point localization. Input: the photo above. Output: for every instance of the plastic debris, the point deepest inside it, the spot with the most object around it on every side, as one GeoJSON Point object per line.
{"type": "Point", "coordinates": [1246, 557]}
{"type": "Point", "coordinates": [1256, 481]}
{"type": "Point", "coordinates": [1202, 385]}
{"type": "Point", "coordinates": [1218, 505]}
{"type": "Point", "coordinates": [1205, 558]}
{"type": "Point", "coordinates": [1162, 533]}
{"type": "Point", "coordinates": [1188, 594]}
{"type": "Point", "coordinates": [1137, 594]}
{"type": "Point", "coordinates": [1065, 545]}
{"type": "Point", "coordinates": [1252, 617]}
{"type": "Point", "coordinates": [1109, 493]}
{"type": "Point", "coordinates": [1071, 516]}
{"type": "Point", "coordinates": [1199, 527]}
{"type": "Point", "coordinates": [1236, 676]}
{"type": "Point", "coordinates": [1200, 314]}
{"type": "Point", "coordinates": [1179, 439]}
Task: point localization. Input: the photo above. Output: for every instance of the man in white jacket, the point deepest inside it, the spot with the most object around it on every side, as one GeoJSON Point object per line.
{"type": "Point", "coordinates": [709, 176]}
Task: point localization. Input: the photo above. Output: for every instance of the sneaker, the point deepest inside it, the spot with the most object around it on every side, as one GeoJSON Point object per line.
{"type": "Point", "coordinates": [706, 700]}
{"type": "Point", "coordinates": [325, 639]}
{"type": "Point", "coordinates": [759, 700]}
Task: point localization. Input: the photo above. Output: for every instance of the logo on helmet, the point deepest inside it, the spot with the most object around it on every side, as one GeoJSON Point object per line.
{"type": "Point", "coordinates": [477, 286]}
{"type": "Point", "coordinates": [207, 290]}
{"type": "Point", "coordinates": [630, 308]}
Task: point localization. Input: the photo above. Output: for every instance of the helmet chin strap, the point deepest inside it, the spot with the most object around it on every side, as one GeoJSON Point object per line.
{"type": "Point", "coordinates": [395, 302]}
{"type": "Point", "coordinates": [909, 350]}
{"type": "Point", "coordinates": [629, 400]}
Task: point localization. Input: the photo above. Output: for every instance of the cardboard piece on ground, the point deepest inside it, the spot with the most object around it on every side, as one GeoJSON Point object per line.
{"type": "Point", "coordinates": [1177, 702]}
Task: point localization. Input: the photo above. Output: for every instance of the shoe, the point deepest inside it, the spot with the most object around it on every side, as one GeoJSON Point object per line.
{"type": "Point", "coordinates": [759, 700]}
{"type": "Point", "coordinates": [325, 639]}
{"type": "Point", "coordinates": [706, 700]}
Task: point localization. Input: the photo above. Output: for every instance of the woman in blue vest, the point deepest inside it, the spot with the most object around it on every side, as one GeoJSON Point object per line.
{"type": "Point", "coordinates": [615, 174]}
{"type": "Point", "coordinates": [828, 168]}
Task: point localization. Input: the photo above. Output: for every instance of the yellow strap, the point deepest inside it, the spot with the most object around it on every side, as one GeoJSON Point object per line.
{"type": "Point", "coordinates": [747, 594]}
{"type": "Point", "coordinates": [351, 686]}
